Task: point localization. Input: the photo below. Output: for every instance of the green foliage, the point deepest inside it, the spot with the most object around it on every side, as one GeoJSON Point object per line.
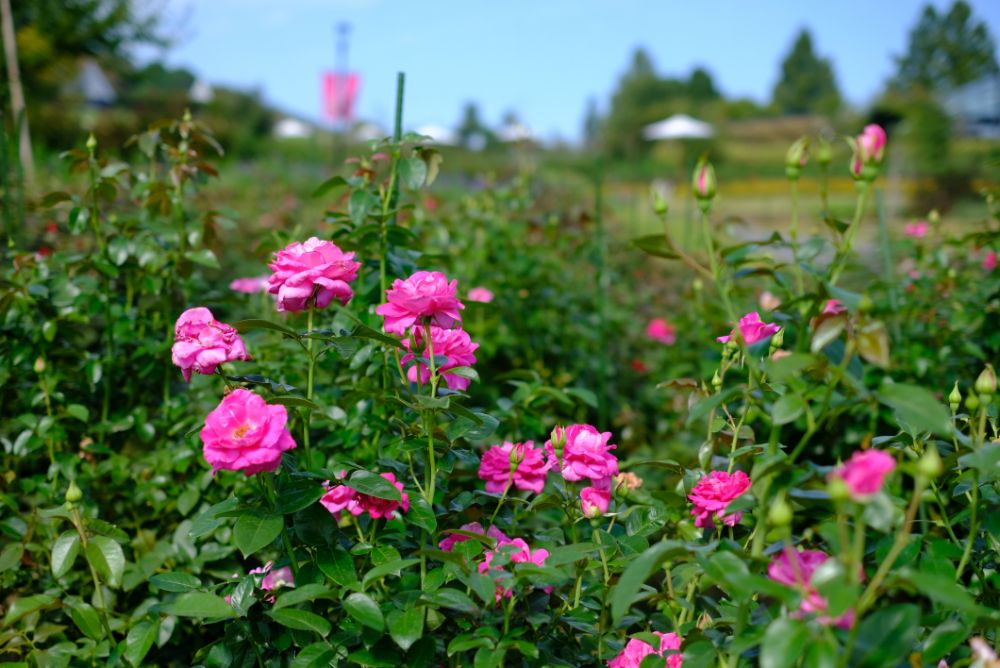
{"type": "Point", "coordinates": [807, 84]}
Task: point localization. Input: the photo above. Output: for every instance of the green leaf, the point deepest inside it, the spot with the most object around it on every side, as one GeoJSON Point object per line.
{"type": "Point", "coordinates": [86, 619]}
{"type": "Point", "coordinates": [421, 515]}
{"type": "Point", "coordinates": [373, 485]}
{"type": "Point", "coordinates": [413, 172]}
{"type": "Point", "coordinates": [297, 495]}
{"type": "Point", "coordinates": [368, 333]}
{"type": "Point", "coordinates": [886, 635]}
{"type": "Point", "coordinates": [828, 328]}
{"type": "Point", "coordinates": [255, 531]}
{"type": "Point", "coordinates": [204, 256]}
{"type": "Point", "coordinates": [118, 249]}
{"type": "Point", "coordinates": [433, 159]}
{"type": "Point", "coordinates": [338, 565]}
{"type": "Point", "coordinates": [301, 620]}
{"type": "Point", "coordinates": [301, 594]}
{"type": "Point", "coordinates": [175, 582]}
{"type": "Point", "coordinates": [916, 408]}
{"type": "Point", "coordinates": [328, 185]}
{"type": "Point", "coordinates": [25, 605]}
{"type": "Point", "coordinates": [656, 245]}
{"type": "Point", "coordinates": [365, 611]}
{"type": "Point", "coordinates": [392, 567]}
{"type": "Point", "coordinates": [406, 626]}
{"type": "Point", "coordinates": [945, 637]}
{"type": "Point", "coordinates": [467, 641]}
{"type": "Point", "coordinates": [201, 605]}
{"type": "Point", "coordinates": [140, 639]}
{"type": "Point", "coordinates": [453, 600]}
{"type": "Point", "coordinates": [210, 520]}
{"type": "Point", "coordinates": [317, 655]}
{"type": "Point", "coordinates": [787, 409]}
{"type": "Point", "coordinates": [705, 406]}
{"type": "Point", "coordinates": [873, 343]}
{"type": "Point", "coordinates": [297, 402]}
{"type": "Point", "coordinates": [986, 460]}
{"type": "Point", "coordinates": [358, 206]}
{"type": "Point", "coordinates": [944, 590]}
{"type": "Point", "coordinates": [78, 411]}
{"type": "Point", "coordinates": [107, 558]}
{"type": "Point", "coordinates": [783, 643]}
{"type": "Point", "coordinates": [11, 556]}
{"type": "Point", "coordinates": [637, 572]}
{"type": "Point", "coordinates": [249, 325]}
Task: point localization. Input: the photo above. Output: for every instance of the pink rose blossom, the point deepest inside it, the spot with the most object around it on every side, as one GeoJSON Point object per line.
{"type": "Point", "coordinates": [315, 267]}
{"type": "Point", "coordinates": [768, 301]}
{"type": "Point", "coordinates": [201, 343]}
{"type": "Point", "coordinates": [636, 650]}
{"type": "Point", "coordinates": [871, 144]}
{"type": "Point", "coordinates": [425, 294]}
{"type": "Point", "coordinates": [594, 500]}
{"type": "Point", "coordinates": [249, 286]}
{"type": "Point", "coordinates": [752, 329]}
{"type": "Point", "coordinates": [275, 579]}
{"type": "Point", "coordinates": [916, 230]}
{"type": "Point", "coordinates": [448, 544]}
{"type": "Point", "coordinates": [246, 434]}
{"type": "Point", "coordinates": [481, 295]}
{"type": "Point", "coordinates": [520, 463]}
{"type": "Point", "coordinates": [522, 555]}
{"type": "Point", "coordinates": [661, 331]}
{"type": "Point", "coordinates": [454, 344]}
{"type": "Point", "coordinates": [342, 497]}
{"type": "Point", "coordinates": [713, 493]}
{"type": "Point", "coordinates": [990, 260]}
{"type": "Point", "coordinates": [833, 307]}
{"type": "Point", "coordinates": [865, 472]}
{"type": "Point", "coordinates": [795, 569]}
{"type": "Point", "coordinates": [587, 454]}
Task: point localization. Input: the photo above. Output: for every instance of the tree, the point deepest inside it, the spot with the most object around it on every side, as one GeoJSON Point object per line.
{"type": "Point", "coordinates": [946, 50]}
{"type": "Point", "coordinates": [472, 133]}
{"type": "Point", "coordinates": [701, 87]}
{"type": "Point", "coordinates": [807, 82]}
{"type": "Point", "coordinates": [591, 124]}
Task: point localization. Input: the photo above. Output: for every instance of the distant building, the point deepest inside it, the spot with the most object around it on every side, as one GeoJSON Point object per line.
{"type": "Point", "coordinates": [975, 107]}
{"type": "Point", "coordinates": [293, 128]}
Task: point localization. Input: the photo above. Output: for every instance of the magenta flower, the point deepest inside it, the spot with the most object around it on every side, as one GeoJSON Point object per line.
{"type": "Point", "coordinates": [871, 144]}
{"type": "Point", "coordinates": [481, 295]}
{"type": "Point", "coordinates": [277, 578]}
{"type": "Point", "coordinates": [795, 569]}
{"type": "Point", "coordinates": [752, 329]}
{"type": "Point", "coordinates": [316, 267]}
{"type": "Point", "coordinates": [713, 493]}
{"type": "Point", "coordinates": [916, 230]}
{"type": "Point", "coordinates": [594, 500]}
{"type": "Point", "coordinates": [522, 555]}
{"type": "Point", "coordinates": [636, 650]}
{"type": "Point", "coordinates": [341, 498]}
{"type": "Point", "coordinates": [201, 343]}
{"type": "Point", "coordinates": [587, 454]}
{"type": "Point", "coordinates": [865, 472]}
{"type": "Point", "coordinates": [833, 307]}
{"type": "Point", "coordinates": [448, 543]}
{"type": "Point", "coordinates": [522, 464]}
{"type": "Point", "coordinates": [454, 344]}
{"type": "Point", "coordinates": [425, 294]}
{"type": "Point", "coordinates": [246, 434]}
{"type": "Point", "coordinates": [249, 286]}
{"type": "Point", "coordinates": [990, 260]}
{"type": "Point", "coordinates": [661, 331]}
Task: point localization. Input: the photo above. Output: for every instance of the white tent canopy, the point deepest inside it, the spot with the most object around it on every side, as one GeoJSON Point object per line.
{"type": "Point", "coordinates": [678, 126]}
{"type": "Point", "coordinates": [439, 134]}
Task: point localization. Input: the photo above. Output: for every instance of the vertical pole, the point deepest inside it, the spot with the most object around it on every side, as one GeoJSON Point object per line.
{"type": "Point", "coordinates": [18, 110]}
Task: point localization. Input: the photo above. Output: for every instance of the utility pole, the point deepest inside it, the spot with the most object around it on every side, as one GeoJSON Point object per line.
{"type": "Point", "coordinates": [17, 105]}
{"type": "Point", "coordinates": [342, 32]}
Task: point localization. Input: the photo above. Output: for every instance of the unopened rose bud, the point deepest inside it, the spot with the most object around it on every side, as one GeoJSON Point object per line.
{"type": "Point", "coordinates": [558, 440]}
{"type": "Point", "coordinates": [716, 380]}
{"type": "Point", "coordinates": [929, 464]}
{"type": "Point", "coordinates": [778, 340]}
{"type": "Point", "coordinates": [934, 218]}
{"type": "Point", "coordinates": [824, 152]}
{"type": "Point", "coordinates": [73, 494]}
{"type": "Point", "coordinates": [955, 398]}
{"type": "Point", "coordinates": [516, 455]}
{"type": "Point", "coordinates": [91, 142]}
{"type": "Point", "coordinates": [971, 402]}
{"type": "Point", "coordinates": [780, 514]}
{"type": "Point", "coordinates": [986, 384]}
{"type": "Point", "coordinates": [796, 157]}
{"type": "Point", "coordinates": [659, 203]}
{"type": "Point", "coordinates": [39, 365]}
{"type": "Point", "coordinates": [838, 489]}
{"type": "Point", "coordinates": [627, 482]}
{"type": "Point", "coordinates": [865, 304]}
{"type": "Point", "coordinates": [697, 285]}
{"type": "Point", "coordinates": [703, 184]}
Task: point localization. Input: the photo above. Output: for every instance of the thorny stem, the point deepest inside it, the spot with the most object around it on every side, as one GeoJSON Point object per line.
{"type": "Point", "coordinates": [796, 268]}
{"type": "Point", "coordinates": [309, 381]}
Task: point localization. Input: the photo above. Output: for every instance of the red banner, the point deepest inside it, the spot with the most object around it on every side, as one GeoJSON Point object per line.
{"type": "Point", "coordinates": [339, 93]}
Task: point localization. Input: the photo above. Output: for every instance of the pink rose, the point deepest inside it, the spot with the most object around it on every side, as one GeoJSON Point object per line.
{"type": "Point", "coordinates": [865, 472]}
{"type": "Point", "coordinates": [871, 144]}
{"type": "Point", "coordinates": [713, 493]}
{"type": "Point", "coordinates": [990, 260]}
{"type": "Point", "coordinates": [454, 344]}
{"type": "Point", "coordinates": [246, 434]}
{"type": "Point", "coordinates": [342, 497]}
{"type": "Point", "coordinates": [523, 554]}
{"type": "Point", "coordinates": [661, 331]}
{"type": "Point", "coordinates": [752, 329]}
{"type": "Point", "coordinates": [448, 544]}
{"type": "Point", "coordinates": [768, 301]}
{"type": "Point", "coordinates": [249, 286]}
{"type": "Point", "coordinates": [425, 294]}
{"type": "Point", "coordinates": [202, 343]}
{"type": "Point", "coordinates": [586, 454]}
{"type": "Point", "coordinates": [795, 569]}
{"type": "Point", "coordinates": [833, 307]}
{"type": "Point", "coordinates": [281, 577]}
{"type": "Point", "coordinates": [636, 650]}
{"type": "Point", "coordinates": [916, 230]}
{"type": "Point", "coordinates": [520, 463]}
{"type": "Point", "coordinates": [594, 501]}
{"type": "Point", "coordinates": [315, 267]}
{"type": "Point", "coordinates": [481, 295]}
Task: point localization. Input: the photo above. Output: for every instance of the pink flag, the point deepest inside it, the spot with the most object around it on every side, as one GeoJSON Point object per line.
{"type": "Point", "coordinates": [339, 93]}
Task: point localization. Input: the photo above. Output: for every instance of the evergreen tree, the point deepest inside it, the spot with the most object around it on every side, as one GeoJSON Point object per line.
{"type": "Point", "coordinates": [807, 82]}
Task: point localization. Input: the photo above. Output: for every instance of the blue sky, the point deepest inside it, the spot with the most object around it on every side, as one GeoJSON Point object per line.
{"type": "Point", "coordinates": [541, 58]}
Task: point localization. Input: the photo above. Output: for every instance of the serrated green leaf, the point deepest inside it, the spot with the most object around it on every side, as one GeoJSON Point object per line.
{"type": "Point", "coordinates": [140, 640]}
{"type": "Point", "coordinates": [254, 531]}
{"type": "Point", "coordinates": [200, 604]}
{"type": "Point", "coordinates": [363, 609]}
{"type": "Point", "coordinates": [175, 582]}
{"type": "Point", "coordinates": [107, 558]}
{"type": "Point", "coordinates": [302, 620]}
{"type": "Point", "coordinates": [406, 626]}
